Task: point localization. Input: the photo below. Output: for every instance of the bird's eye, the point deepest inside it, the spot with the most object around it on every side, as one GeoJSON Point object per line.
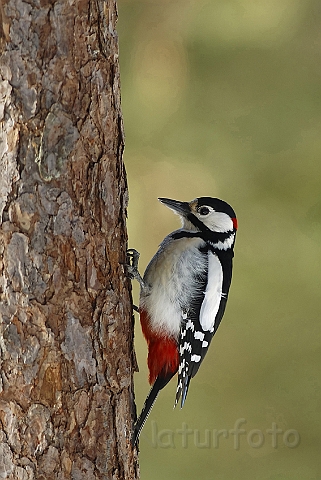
{"type": "Point", "coordinates": [204, 211]}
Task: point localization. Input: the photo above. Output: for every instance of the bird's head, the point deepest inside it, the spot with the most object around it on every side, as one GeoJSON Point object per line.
{"type": "Point", "coordinates": [204, 213]}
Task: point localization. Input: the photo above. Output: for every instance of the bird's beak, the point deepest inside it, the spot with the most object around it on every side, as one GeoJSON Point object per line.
{"type": "Point", "coordinates": [182, 208]}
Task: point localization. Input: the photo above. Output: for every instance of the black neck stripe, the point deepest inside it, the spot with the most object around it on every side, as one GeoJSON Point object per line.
{"type": "Point", "coordinates": [208, 236]}
{"type": "Point", "coordinates": [198, 224]}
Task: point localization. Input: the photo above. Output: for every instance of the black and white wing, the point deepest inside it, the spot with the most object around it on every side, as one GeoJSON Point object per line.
{"type": "Point", "coordinates": [199, 324]}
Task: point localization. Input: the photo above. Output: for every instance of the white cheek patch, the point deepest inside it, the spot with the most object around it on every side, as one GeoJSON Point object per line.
{"type": "Point", "coordinates": [219, 222]}
{"type": "Point", "coordinates": [213, 293]}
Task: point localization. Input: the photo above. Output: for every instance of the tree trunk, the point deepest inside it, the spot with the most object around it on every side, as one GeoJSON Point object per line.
{"type": "Point", "coordinates": [66, 385]}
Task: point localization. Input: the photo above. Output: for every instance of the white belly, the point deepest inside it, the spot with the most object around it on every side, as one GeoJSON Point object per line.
{"type": "Point", "coordinates": [173, 280]}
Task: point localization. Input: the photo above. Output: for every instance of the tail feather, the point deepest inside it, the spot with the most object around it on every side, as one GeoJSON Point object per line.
{"type": "Point", "coordinates": [182, 389]}
{"type": "Point", "coordinates": [185, 390]}
{"type": "Point", "coordinates": [160, 383]}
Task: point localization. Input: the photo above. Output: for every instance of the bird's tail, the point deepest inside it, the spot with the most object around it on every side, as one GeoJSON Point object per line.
{"type": "Point", "coordinates": [160, 383]}
{"type": "Point", "coordinates": [182, 389]}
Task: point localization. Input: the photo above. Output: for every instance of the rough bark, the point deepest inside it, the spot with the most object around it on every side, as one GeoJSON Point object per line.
{"type": "Point", "coordinates": [65, 314]}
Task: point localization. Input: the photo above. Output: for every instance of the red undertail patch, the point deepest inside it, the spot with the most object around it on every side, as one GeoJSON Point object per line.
{"type": "Point", "coordinates": [163, 358]}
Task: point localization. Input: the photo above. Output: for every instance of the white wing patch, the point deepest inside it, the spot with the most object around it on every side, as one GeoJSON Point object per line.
{"type": "Point", "coordinates": [195, 358]}
{"type": "Point", "coordinates": [199, 336]}
{"type": "Point", "coordinates": [213, 293]}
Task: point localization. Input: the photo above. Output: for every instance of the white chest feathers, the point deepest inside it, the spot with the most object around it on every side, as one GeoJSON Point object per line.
{"type": "Point", "coordinates": [174, 278]}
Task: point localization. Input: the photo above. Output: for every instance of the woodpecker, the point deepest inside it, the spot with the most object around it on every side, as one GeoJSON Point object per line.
{"type": "Point", "coordinates": [183, 294]}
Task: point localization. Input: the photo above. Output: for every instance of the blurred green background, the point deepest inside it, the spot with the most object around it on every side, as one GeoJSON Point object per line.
{"type": "Point", "coordinates": [223, 98]}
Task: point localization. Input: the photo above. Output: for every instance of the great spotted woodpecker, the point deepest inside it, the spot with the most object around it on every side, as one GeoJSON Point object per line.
{"type": "Point", "coordinates": [184, 293]}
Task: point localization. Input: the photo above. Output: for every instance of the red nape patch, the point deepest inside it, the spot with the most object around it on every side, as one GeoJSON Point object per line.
{"type": "Point", "coordinates": [234, 220]}
{"type": "Point", "coordinates": [162, 351]}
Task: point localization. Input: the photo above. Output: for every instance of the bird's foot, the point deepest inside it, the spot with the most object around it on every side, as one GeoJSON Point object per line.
{"type": "Point", "coordinates": [132, 259]}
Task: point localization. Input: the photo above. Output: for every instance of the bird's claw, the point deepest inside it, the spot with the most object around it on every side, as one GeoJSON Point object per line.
{"type": "Point", "coordinates": [132, 258]}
